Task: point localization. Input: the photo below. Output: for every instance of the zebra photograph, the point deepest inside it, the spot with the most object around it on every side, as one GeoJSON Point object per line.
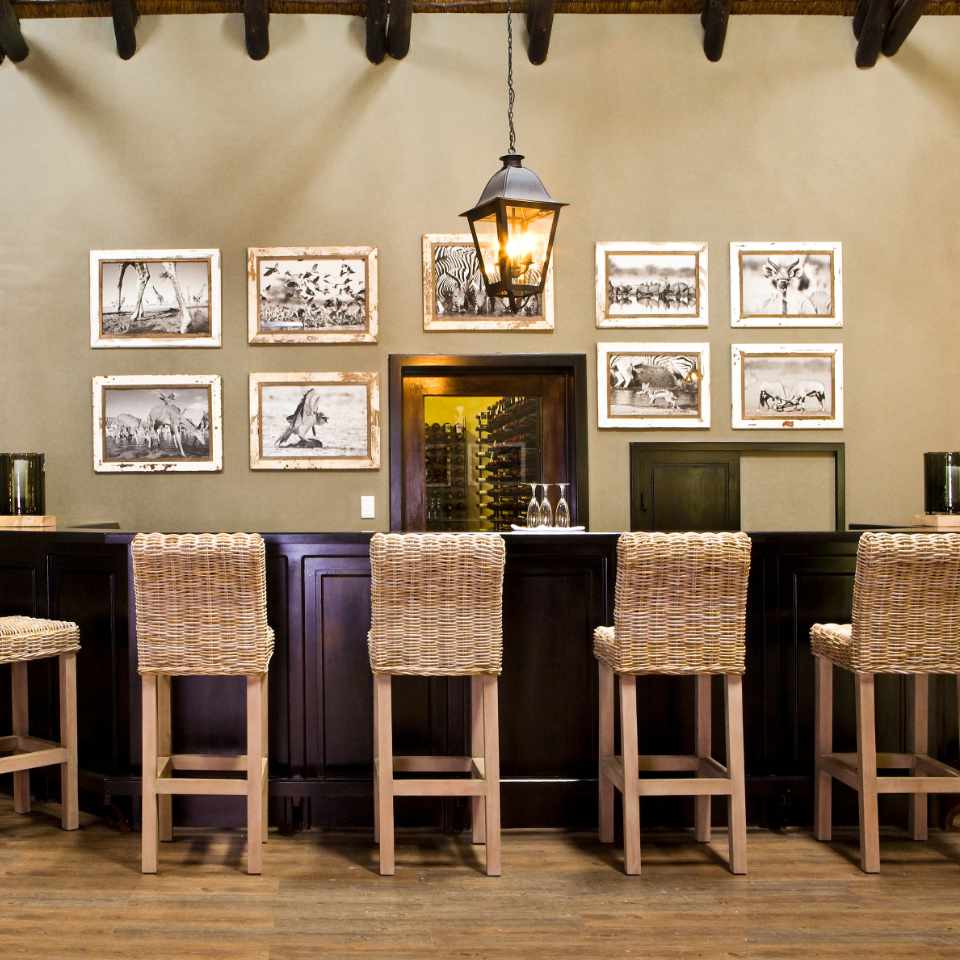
{"type": "Point", "coordinates": [312, 294]}
{"type": "Point", "coordinates": [155, 298]}
{"type": "Point", "coordinates": [454, 296]}
{"type": "Point", "coordinates": [786, 285]}
{"type": "Point", "coordinates": [644, 385]}
{"type": "Point", "coordinates": [787, 386]}
{"type": "Point", "coordinates": [652, 285]}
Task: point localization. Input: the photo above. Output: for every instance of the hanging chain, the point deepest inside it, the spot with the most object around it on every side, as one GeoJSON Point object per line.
{"type": "Point", "coordinates": [511, 95]}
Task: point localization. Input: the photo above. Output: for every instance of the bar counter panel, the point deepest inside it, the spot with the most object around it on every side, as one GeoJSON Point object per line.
{"type": "Point", "coordinates": [557, 588]}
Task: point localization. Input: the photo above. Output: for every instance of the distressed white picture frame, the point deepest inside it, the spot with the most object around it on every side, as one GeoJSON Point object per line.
{"type": "Point", "coordinates": [695, 315]}
{"type": "Point", "coordinates": [795, 419]}
{"type": "Point", "coordinates": [742, 315]}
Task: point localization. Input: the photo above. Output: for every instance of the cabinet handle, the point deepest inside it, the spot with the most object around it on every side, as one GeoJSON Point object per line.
{"type": "Point", "coordinates": [643, 502]}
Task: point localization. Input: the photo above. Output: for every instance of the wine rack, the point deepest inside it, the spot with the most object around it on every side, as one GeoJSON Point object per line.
{"type": "Point", "coordinates": [445, 452]}
{"type": "Point", "coordinates": [508, 456]}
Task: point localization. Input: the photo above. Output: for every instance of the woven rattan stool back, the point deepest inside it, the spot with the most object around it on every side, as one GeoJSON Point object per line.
{"type": "Point", "coordinates": [437, 603]}
{"type": "Point", "coordinates": [906, 603]}
{"type": "Point", "coordinates": [681, 602]}
{"type": "Point", "coordinates": [201, 604]}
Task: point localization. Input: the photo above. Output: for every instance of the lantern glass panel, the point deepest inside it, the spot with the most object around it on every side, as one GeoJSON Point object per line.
{"type": "Point", "coordinates": [528, 238]}
{"type": "Point", "coordinates": [488, 242]}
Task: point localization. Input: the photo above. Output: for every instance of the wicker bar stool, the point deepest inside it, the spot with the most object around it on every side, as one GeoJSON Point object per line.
{"type": "Point", "coordinates": [437, 605]}
{"type": "Point", "coordinates": [23, 639]}
{"type": "Point", "coordinates": [201, 611]}
{"type": "Point", "coordinates": [680, 609]}
{"type": "Point", "coordinates": [906, 620]}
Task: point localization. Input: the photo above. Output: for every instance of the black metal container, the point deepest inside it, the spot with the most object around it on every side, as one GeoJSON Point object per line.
{"type": "Point", "coordinates": [22, 491]}
{"type": "Point", "coordinates": [941, 482]}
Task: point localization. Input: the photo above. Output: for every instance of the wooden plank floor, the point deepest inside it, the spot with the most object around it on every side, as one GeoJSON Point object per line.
{"type": "Point", "coordinates": [562, 896]}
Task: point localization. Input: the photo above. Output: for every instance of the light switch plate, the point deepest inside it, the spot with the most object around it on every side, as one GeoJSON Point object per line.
{"type": "Point", "coordinates": [368, 508]}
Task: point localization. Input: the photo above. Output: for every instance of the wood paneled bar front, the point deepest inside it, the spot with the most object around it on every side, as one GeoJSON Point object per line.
{"type": "Point", "coordinates": [557, 589]}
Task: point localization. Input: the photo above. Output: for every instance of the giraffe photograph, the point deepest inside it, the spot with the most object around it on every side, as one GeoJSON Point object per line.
{"type": "Point", "coordinates": [157, 424]}
{"type": "Point", "coordinates": [786, 285]}
{"type": "Point", "coordinates": [455, 298]}
{"type": "Point", "coordinates": [155, 298]}
{"type": "Point", "coordinates": [312, 294]}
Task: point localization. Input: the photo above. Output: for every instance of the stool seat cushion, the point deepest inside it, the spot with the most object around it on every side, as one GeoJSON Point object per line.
{"type": "Point", "coordinates": [833, 641]}
{"type": "Point", "coordinates": [29, 638]}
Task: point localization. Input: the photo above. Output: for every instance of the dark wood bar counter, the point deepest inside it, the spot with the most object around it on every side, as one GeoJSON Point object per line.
{"type": "Point", "coordinates": [557, 589]}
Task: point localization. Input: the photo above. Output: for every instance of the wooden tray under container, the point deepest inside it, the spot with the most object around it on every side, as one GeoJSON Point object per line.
{"type": "Point", "coordinates": [939, 521]}
{"type": "Point", "coordinates": [18, 522]}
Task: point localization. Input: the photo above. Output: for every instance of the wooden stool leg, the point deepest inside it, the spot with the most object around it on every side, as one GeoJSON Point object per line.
{"type": "Point", "coordinates": [255, 773]}
{"type": "Point", "coordinates": [383, 754]}
{"type": "Point", "coordinates": [477, 804]}
{"type": "Point", "coordinates": [823, 736]}
{"type": "Point", "coordinates": [867, 774]}
{"type": "Point", "coordinates": [919, 743]}
{"type": "Point", "coordinates": [21, 728]}
{"type": "Point", "coordinates": [631, 774]}
{"type": "Point", "coordinates": [737, 801]}
{"type": "Point", "coordinates": [265, 728]}
{"type": "Point", "coordinates": [164, 749]}
{"type": "Point", "coordinates": [148, 778]}
{"type": "Point", "coordinates": [605, 751]}
{"type": "Point", "coordinates": [703, 747]}
{"type": "Point", "coordinates": [376, 765]}
{"type": "Point", "coordinates": [69, 788]}
{"type": "Point", "coordinates": [491, 771]}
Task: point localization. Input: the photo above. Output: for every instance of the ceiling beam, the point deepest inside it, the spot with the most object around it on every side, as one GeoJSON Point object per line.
{"type": "Point", "coordinates": [125, 17]}
{"type": "Point", "coordinates": [905, 18]}
{"type": "Point", "coordinates": [714, 19]}
{"type": "Point", "coordinates": [376, 30]}
{"type": "Point", "coordinates": [256, 25]}
{"type": "Point", "coordinates": [398, 28]}
{"type": "Point", "coordinates": [11, 37]}
{"type": "Point", "coordinates": [872, 32]}
{"type": "Point", "coordinates": [539, 27]}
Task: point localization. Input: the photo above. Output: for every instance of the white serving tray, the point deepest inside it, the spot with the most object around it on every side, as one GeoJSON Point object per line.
{"type": "Point", "coordinates": [518, 529]}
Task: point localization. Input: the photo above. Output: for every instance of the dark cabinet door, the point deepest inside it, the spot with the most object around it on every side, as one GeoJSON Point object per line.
{"type": "Point", "coordinates": [684, 490]}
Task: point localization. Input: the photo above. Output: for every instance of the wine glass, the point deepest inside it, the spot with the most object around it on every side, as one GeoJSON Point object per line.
{"type": "Point", "coordinates": [562, 513]}
{"type": "Point", "coordinates": [533, 508]}
{"type": "Point", "coordinates": [546, 511]}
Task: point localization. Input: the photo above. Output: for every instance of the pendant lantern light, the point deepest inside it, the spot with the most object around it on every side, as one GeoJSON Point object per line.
{"type": "Point", "coordinates": [514, 222]}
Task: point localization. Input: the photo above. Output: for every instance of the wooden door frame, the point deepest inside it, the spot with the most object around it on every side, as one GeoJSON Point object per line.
{"type": "Point", "coordinates": [745, 447]}
{"type": "Point", "coordinates": [573, 366]}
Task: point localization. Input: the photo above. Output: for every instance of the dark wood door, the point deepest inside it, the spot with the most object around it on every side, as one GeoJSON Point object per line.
{"type": "Point", "coordinates": [684, 490]}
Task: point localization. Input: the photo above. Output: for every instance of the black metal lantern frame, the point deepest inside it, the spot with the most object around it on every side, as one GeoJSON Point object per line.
{"type": "Point", "coordinates": [514, 223]}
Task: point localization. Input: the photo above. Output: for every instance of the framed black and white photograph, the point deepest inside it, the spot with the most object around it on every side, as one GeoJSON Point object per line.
{"type": "Point", "coordinates": [652, 284]}
{"type": "Point", "coordinates": [454, 296]}
{"type": "Point", "coordinates": [786, 285]}
{"type": "Point", "coordinates": [653, 385]}
{"type": "Point", "coordinates": [155, 298]}
{"type": "Point", "coordinates": [157, 424]}
{"type": "Point", "coordinates": [314, 421]}
{"type": "Point", "coordinates": [312, 294]}
{"type": "Point", "coordinates": [793, 386]}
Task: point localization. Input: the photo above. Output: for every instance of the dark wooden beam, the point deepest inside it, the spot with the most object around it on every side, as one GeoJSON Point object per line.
{"type": "Point", "coordinates": [714, 18]}
{"type": "Point", "coordinates": [859, 15]}
{"type": "Point", "coordinates": [398, 28]}
{"type": "Point", "coordinates": [376, 30]}
{"type": "Point", "coordinates": [539, 26]}
{"type": "Point", "coordinates": [256, 22]}
{"type": "Point", "coordinates": [11, 38]}
{"type": "Point", "coordinates": [905, 18]}
{"type": "Point", "coordinates": [871, 34]}
{"type": "Point", "coordinates": [125, 17]}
